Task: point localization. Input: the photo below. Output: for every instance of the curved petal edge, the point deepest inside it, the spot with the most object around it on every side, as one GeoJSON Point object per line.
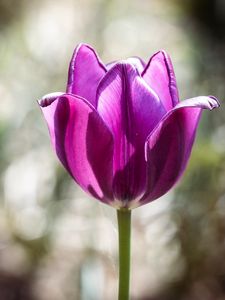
{"type": "Point", "coordinates": [82, 142]}
{"type": "Point", "coordinates": [169, 146]}
{"type": "Point", "coordinates": [160, 76]}
{"type": "Point", "coordinates": [131, 110]}
{"type": "Point", "coordinates": [85, 72]}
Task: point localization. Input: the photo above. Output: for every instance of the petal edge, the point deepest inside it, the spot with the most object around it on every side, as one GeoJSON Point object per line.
{"type": "Point", "coordinates": [160, 76]}
{"type": "Point", "coordinates": [169, 146]}
{"type": "Point", "coordinates": [85, 72]}
{"type": "Point", "coordinates": [74, 126]}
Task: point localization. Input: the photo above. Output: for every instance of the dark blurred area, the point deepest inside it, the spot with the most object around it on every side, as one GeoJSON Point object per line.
{"type": "Point", "coordinates": [209, 16]}
{"type": "Point", "coordinates": [10, 12]}
{"type": "Point", "coordinates": [55, 242]}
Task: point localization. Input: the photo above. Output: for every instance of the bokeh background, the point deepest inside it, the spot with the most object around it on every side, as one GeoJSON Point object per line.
{"type": "Point", "coordinates": [55, 242]}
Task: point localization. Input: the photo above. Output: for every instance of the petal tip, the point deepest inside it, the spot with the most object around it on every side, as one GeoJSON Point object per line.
{"type": "Point", "coordinates": [82, 46]}
{"type": "Point", "coordinates": [163, 52]}
{"type": "Point", "coordinates": [49, 99]}
{"type": "Point", "coordinates": [214, 102]}
{"type": "Point", "coordinates": [126, 65]}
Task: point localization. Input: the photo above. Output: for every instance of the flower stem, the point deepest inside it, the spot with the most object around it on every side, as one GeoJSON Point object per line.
{"type": "Point", "coordinates": [124, 232]}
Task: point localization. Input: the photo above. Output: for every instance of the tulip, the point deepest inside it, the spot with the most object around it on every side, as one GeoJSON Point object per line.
{"type": "Point", "coordinates": [121, 131]}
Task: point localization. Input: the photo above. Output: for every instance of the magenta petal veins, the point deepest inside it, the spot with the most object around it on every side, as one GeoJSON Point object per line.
{"type": "Point", "coordinates": [159, 75]}
{"type": "Point", "coordinates": [85, 72]}
{"type": "Point", "coordinates": [82, 142]}
{"type": "Point", "coordinates": [169, 145]}
{"type": "Point", "coordinates": [120, 130]}
{"type": "Point", "coordinates": [131, 110]}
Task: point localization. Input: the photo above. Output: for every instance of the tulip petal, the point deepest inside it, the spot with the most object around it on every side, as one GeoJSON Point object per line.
{"type": "Point", "coordinates": [169, 146]}
{"type": "Point", "coordinates": [82, 142]}
{"type": "Point", "coordinates": [131, 110]}
{"type": "Point", "coordinates": [85, 72]}
{"type": "Point", "coordinates": [134, 60]}
{"type": "Point", "coordinates": [137, 62]}
{"type": "Point", "coordinates": [159, 74]}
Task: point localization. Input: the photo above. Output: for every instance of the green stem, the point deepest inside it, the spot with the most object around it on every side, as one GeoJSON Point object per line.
{"type": "Point", "coordinates": [124, 232]}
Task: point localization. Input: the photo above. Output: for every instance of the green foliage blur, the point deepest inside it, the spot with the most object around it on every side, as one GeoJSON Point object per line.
{"type": "Point", "coordinates": [56, 243]}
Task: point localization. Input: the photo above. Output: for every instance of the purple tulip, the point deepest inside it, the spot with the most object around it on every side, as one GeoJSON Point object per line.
{"type": "Point", "coordinates": [120, 130]}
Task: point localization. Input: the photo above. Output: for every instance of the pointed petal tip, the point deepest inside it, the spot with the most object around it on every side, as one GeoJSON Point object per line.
{"type": "Point", "coordinates": [49, 99]}
{"type": "Point", "coordinates": [160, 51]}
{"type": "Point", "coordinates": [202, 102]}
{"type": "Point", "coordinates": [85, 72]}
{"type": "Point", "coordinates": [82, 46]}
{"type": "Point", "coordinates": [160, 76]}
{"type": "Point", "coordinates": [117, 69]}
{"type": "Point", "coordinates": [214, 102]}
{"type": "Point", "coordinates": [127, 65]}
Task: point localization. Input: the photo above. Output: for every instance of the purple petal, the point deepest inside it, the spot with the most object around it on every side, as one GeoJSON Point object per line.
{"type": "Point", "coordinates": [82, 142]}
{"type": "Point", "coordinates": [131, 110]}
{"type": "Point", "coordinates": [169, 146]}
{"type": "Point", "coordinates": [111, 64]}
{"type": "Point", "coordinates": [159, 74]}
{"type": "Point", "coordinates": [85, 72]}
{"type": "Point", "coordinates": [136, 61]}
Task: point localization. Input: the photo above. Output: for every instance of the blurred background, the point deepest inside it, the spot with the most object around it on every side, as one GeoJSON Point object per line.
{"type": "Point", "coordinates": [55, 242]}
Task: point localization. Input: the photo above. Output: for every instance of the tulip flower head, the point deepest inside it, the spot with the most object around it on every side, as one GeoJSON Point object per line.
{"type": "Point", "coordinates": [120, 129]}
